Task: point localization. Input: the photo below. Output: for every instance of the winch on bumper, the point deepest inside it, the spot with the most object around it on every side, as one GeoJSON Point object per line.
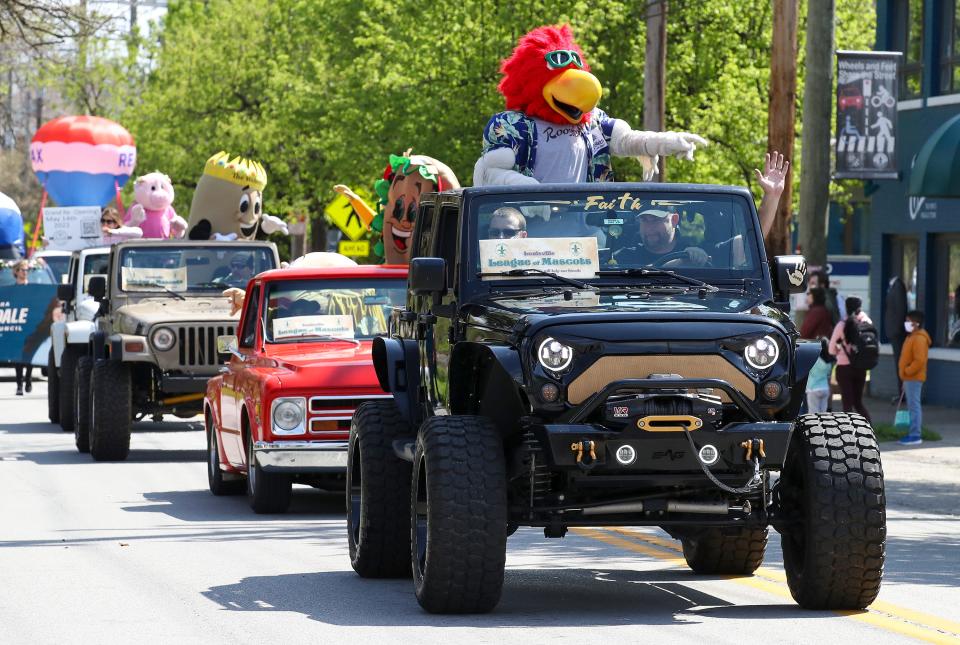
{"type": "Point", "coordinates": [301, 456]}
{"type": "Point", "coordinates": [648, 425]}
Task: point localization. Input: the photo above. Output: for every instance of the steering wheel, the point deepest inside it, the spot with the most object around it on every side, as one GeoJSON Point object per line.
{"type": "Point", "coordinates": [673, 260]}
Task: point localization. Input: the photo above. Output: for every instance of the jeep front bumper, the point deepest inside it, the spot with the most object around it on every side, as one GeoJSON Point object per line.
{"type": "Point", "coordinates": [301, 456]}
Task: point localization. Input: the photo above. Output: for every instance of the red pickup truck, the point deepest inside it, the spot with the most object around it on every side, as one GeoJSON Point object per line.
{"type": "Point", "coordinates": [279, 411]}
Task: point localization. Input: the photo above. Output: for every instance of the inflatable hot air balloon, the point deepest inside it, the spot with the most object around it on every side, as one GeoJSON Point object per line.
{"type": "Point", "coordinates": [11, 229]}
{"type": "Point", "coordinates": [82, 160]}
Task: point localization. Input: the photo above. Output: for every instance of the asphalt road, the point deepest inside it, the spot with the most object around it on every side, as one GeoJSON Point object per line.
{"type": "Point", "coordinates": [139, 551]}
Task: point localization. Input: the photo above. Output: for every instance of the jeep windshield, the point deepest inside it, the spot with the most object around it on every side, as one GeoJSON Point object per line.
{"type": "Point", "coordinates": [191, 269]}
{"type": "Point", "coordinates": [606, 237]}
{"type": "Point", "coordinates": [330, 310]}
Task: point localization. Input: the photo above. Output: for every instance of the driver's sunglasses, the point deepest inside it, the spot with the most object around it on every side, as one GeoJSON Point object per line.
{"type": "Point", "coordinates": [560, 58]}
{"type": "Point", "coordinates": [502, 233]}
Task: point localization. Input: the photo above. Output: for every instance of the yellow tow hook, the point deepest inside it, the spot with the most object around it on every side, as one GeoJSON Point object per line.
{"type": "Point", "coordinates": [586, 446]}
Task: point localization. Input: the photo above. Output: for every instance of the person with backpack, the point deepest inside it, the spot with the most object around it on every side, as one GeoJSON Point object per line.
{"type": "Point", "coordinates": [913, 372]}
{"type": "Point", "coordinates": [856, 344]}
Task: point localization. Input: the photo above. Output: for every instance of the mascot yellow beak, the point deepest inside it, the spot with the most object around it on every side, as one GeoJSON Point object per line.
{"type": "Point", "coordinates": [573, 93]}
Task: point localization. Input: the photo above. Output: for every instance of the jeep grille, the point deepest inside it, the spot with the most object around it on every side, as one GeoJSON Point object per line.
{"type": "Point", "coordinates": [198, 344]}
{"type": "Point", "coordinates": [615, 368]}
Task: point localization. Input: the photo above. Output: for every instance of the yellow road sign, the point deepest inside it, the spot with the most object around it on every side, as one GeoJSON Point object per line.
{"type": "Point", "coordinates": [359, 249]}
{"type": "Point", "coordinates": [342, 214]}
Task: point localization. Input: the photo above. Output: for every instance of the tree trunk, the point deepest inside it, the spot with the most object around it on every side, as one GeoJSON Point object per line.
{"type": "Point", "coordinates": [782, 113]}
{"type": "Point", "coordinates": [817, 104]}
{"type": "Point", "coordinates": [655, 72]}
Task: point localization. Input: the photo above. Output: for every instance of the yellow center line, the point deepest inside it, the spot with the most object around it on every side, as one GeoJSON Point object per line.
{"type": "Point", "coordinates": [887, 616]}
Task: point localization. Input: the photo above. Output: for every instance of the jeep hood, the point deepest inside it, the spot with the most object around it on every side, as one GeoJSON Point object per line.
{"type": "Point", "coordinates": [149, 312]}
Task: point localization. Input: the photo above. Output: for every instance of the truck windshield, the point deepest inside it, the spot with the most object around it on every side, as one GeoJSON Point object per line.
{"type": "Point", "coordinates": [591, 234]}
{"type": "Point", "coordinates": [348, 308]}
{"type": "Point", "coordinates": [191, 268]}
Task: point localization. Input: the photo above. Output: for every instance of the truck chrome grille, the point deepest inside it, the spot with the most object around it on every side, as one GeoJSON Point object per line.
{"type": "Point", "coordinates": [615, 368]}
{"type": "Point", "coordinates": [330, 415]}
{"type": "Point", "coordinates": [197, 344]}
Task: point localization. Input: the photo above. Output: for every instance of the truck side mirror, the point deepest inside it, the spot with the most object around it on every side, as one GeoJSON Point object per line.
{"type": "Point", "coordinates": [427, 276]}
{"type": "Point", "coordinates": [226, 345]}
{"type": "Point", "coordinates": [789, 276]}
{"type": "Point", "coordinates": [97, 287]}
{"type": "Point", "coordinates": [65, 292]}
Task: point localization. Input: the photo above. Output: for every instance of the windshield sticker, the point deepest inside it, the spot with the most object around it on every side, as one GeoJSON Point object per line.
{"type": "Point", "coordinates": [571, 257]}
{"type": "Point", "coordinates": [338, 326]}
{"type": "Point", "coordinates": [147, 279]}
{"type": "Point", "coordinates": [579, 299]}
{"type": "Point", "coordinates": [661, 305]}
{"type": "Point", "coordinates": [627, 202]}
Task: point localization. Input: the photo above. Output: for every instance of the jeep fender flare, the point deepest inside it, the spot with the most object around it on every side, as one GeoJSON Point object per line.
{"type": "Point", "coordinates": [57, 337]}
{"type": "Point", "coordinates": [78, 332]}
{"type": "Point", "coordinates": [488, 380]}
{"type": "Point", "coordinates": [397, 364]}
{"type": "Point", "coordinates": [807, 354]}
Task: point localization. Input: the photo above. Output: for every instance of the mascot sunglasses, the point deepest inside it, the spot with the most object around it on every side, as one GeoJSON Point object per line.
{"type": "Point", "coordinates": [560, 58]}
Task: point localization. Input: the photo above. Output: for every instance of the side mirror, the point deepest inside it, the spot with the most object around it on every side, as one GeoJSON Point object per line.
{"type": "Point", "coordinates": [427, 276]}
{"type": "Point", "coordinates": [789, 276]}
{"type": "Point", "coordinates": [65, 292]}
{"type": "Point", "coordinates": [97, 287]}
{"type": "Point", "coordinates": [226, 345]}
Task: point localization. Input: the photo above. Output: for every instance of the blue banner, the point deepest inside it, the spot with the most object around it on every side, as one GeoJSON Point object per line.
{"type": "Point", "coordinates": [26, 312]}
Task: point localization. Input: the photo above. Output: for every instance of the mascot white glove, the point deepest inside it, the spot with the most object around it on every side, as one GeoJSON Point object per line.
{"type": "Point", "coordinates": [648, 146]}
{"type": "Point", "coordinates": [273, 224]}
{"type": "Point", "coordinates": [136, 216]}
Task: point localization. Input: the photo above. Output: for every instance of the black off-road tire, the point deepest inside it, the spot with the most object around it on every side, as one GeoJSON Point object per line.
{"type": "Point", "coordinates": [68, 389]}
{"type": "Point", "coordinates": [53, 389]}
{"type": "Point", "coordinates": [111, 411]}
{"type": "Point", "coordinates": [268, 493]}
{"type": "Point", "coordinates": [716, 551]}
{"type": "Point", "coordinates": [458, 515]}
{"type": "Point", "coordinates": [219, 482]}
{"type": "Point", "coordinates": [378, 493]}
{"type": "Point", "coordinates": [832, 512]}
{"type": "Point", "coordinates": [81, 421]}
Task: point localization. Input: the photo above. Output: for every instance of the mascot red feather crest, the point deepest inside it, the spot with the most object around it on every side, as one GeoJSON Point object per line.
{"type": "Point", "coordinates": [553, 131]}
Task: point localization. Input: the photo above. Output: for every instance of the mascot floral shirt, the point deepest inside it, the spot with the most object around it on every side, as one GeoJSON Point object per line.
{"type": "Point", "coordinates": [517, 131]}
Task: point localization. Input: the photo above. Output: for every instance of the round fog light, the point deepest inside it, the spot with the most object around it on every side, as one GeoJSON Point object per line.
{"type": "Point", "coordinates": [626, 455]}
{"type": "Point", "coordinates": [550, 392]}
{"type": "Point", "coordinates": [709, 455]}
{"type": "Point", "coordinates": [772, 390]}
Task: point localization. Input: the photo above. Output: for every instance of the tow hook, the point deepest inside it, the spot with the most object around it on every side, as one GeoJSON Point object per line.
{"type": "Point", "coordinates": [586, 446]}
{"type": "Point", "coordinates": [756, 454]}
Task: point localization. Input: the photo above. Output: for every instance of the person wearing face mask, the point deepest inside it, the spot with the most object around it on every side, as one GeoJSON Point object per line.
{"type": "Point", "coordinates": [913, 372]}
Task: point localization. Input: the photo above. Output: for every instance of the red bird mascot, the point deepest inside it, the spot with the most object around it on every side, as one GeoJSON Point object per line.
{"type": "Point", "coordinates": [553, 131]}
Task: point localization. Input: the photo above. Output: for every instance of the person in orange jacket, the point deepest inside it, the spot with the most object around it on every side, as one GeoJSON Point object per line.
{"type": "Point", "coordinates": [913, 372]}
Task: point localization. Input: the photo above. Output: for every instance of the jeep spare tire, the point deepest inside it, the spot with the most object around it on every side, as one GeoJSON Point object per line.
{"type": "Point", "coordinates": [832, 512]}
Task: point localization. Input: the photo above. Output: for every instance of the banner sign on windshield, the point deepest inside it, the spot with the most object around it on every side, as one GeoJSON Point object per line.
{"type": "Point", "coordinates": [866, 134]}
{"type": "Point", "coordinates": [571, 257]}
{"type": "Point", "coordinates": [337, 326]}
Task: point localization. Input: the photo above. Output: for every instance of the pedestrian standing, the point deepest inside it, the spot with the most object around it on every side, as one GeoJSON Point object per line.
{"type": "Point", "coordinates": [21, 270]}
{"type": "Point", "coordinates": [818, 383]}
{"type": "Point", "coordinates": [848, 344]}
{"type": "Point", "coordinates": [820, 279]}
{"type": "Point", "coordinates": [913, 372]}
{"type": "Point", "coordinates": [818, 322]}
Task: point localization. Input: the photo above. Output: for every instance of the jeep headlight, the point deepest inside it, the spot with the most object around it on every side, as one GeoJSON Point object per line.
{"type": "Point", "coordinates": [288, 415]}
{"type": "Point", "coordinates": [163, 339]}
{"type": "Point", "coordinates": [554, 355]}
{"type": "Point", "coordinates": [762, 353]}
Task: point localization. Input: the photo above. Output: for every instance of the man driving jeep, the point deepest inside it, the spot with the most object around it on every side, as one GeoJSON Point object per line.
{"type": "Point", "coordinates": [660, 235]}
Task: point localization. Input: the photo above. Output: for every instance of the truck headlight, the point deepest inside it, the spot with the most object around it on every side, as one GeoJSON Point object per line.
{"type": "Point", "coordinates": [288, 414]}
{"type": "Point", "coordinates": [554, 355]}
{"type": "Point", "coordinates": [163, 339]}
{"type": "Point", "coordinates": [762, 353]}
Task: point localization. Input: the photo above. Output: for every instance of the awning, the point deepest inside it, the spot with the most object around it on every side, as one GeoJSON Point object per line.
{"type": "Point", "coordinates": [936, 172]}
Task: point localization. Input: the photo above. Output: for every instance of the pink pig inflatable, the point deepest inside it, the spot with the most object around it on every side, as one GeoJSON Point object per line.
{"type": "Point", "coordinates": [152, 209]}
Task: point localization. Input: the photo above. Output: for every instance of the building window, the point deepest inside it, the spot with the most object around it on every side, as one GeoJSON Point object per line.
{"type": "Point", "coordinates": [950, 52]}
{"type": "Point", "coordinates": [948, 296]}
{"type": "Point", "coordinates": [908, 38]}
{"type": "Point", "coordinates": [904, 255]}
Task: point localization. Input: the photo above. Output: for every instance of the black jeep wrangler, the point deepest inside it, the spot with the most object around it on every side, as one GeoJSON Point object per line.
{"type": "Point", "coordinates": [605, 354]}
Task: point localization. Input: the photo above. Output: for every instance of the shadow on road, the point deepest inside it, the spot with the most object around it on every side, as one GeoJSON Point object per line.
{"type": "Point", "coordinates": [531, 598]}
{"type": "Point", "coordinates": [926, 496]}
{"type": "Point", "coordinates": [70, 457]}
{"type": "Point", "coordinates": [201, 506]}
{"type": "Point", "coordinates": [143, 426]}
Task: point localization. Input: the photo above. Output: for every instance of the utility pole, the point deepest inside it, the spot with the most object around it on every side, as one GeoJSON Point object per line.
{"type": "Point", "coordinates": [817, 104]}
{"type": "Point", "coordinates": [655, 72]}
{"type": "Point", "coordinates": [782, 113]}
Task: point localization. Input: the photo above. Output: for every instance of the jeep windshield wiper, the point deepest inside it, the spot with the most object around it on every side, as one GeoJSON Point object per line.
{"type": "Point", "coordinates": [557, 277]}
{"type": "Point", "coordinates": [156, 286]}
{"type": "Point", "coordinates": [640, 272]}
